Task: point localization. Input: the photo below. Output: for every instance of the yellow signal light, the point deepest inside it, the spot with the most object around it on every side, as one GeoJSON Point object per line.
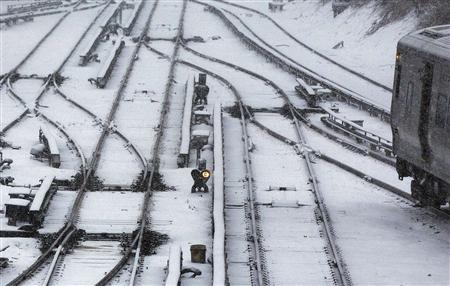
{"type": "Point", "coordinates": [205, 174]}
{"type": "Point", "coordinates": [398, 56]}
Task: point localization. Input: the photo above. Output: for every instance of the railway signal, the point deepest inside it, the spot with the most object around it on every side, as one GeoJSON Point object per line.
{"type": "Point", "coordinates": [200, 178]}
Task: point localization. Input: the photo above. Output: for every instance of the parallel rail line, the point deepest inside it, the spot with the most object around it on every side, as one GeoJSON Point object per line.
{"type": "Point", "coordinates": [260, 268]}
{"type": "Point", "coordinates": [67, 230]}
{"type": "Point", "coordinates": [303, 72]}
{"type": "Point", "coordinates": [8, 77]}
{"type": "Point", "coordinates": [308, 47]}
{"type": "Point", "coordinates": [320, 155]}
{"type": "Point", "coordinates": [310, 124]}
{"type": "Point", "coordinates": [137, 242]}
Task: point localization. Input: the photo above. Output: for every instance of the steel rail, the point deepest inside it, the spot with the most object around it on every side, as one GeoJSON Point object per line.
{"type": "Point", "coordinates": [295, 115]}
{"type": "Point", "coordinates": [103, 136]}
{"type": "Point", "coordinates": [99, 120]}
{"type": "Point", "coordinates": [337, 266]}
{"type": "Point", "coordinates": [162, 119]}
{"type": "Point", "coordinates": [257, 267]}
{"type": "Point", "coordinates": [340, 91]}
{"type": "Point", "coordinates": [342, 278]}
{"type": "Point", "coordinates": [336, 261]}
{"type": "Point", "coordinates": [310, 124]}
{"type": "Point", "coordinates": [40, 42]}
{"type": "Point", "coordinates": [7, 77]}
{"type": "Point", "coordinates": [305, 70]}
{"type": "Point", "coordinates": [70, 223]}
{"type": "Point", "coordinates": [137, 242]}
{"type": "Point", "coordinates": [308, 47]}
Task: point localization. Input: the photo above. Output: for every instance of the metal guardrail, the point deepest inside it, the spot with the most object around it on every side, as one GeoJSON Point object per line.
{"type": "Point", "coordinates": [183, 156]}
{"type": "Point", "coordinates": [361, 135]}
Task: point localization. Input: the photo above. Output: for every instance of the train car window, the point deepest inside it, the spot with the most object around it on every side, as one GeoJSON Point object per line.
{"type": "Point", "coordinates": [397, 80]}
{"type": "Point", "coordinates": [409, 96]}
{"type": "Point", "coordinates": [441, 110]}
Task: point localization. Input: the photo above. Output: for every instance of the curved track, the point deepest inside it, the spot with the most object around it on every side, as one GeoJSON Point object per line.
{"type": "Point", "coordinates": [296, 68]}
{"type": "Point", "coordinates": [138, 240]}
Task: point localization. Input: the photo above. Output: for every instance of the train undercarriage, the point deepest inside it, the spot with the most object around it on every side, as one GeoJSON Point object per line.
{"type": "Point", "coordinates": [426, 188]}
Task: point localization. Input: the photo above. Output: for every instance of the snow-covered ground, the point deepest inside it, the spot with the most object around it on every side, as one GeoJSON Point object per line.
{"type": "Point", "coordinates": [312, 22]}
{"type": "Point", "coordinates": [382, 238]}
{"type": "Point", "coordinates": [45, 60]}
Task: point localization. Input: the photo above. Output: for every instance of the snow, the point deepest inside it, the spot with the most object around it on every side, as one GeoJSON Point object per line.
{"type": "Point", "coordinates": [110, 212]}
{"type": "Point", "coordinates": [187, 115]}
{"type": "Point", "coordinates": [22, 252]}
{"type": "Point", "coordinates": [218, 204]}
{"type": "Point", "coordinates": [320, 144]}
{"type": "Point", "coordinates": [372, 55]}
{"type": "Point", "coordinates": [380, 236]}
{"type": "Point", "coordinates": [207, 25]}
{"type": "Point", "coordinates": [27, 170]}
{"type": "Point", "coordinates": [173, 268]}
{"type": "Point", "coordinates": [236, 244]}
{"type": "Point", "coordinates": [97, 256]}
{"type": "Point", "coordinates": [41, 193]}
{"type": "Point", "coordinates": [58, 211]}
{"type": "Point", "coordinates": [44, 62]}
{"type": "Point", "coordinates": [13, 48]}
{"type": "Point", "coordinates": [18, 202]}
{"type": "Point", "coordinates": [50, 139]}
{"type": "Point", "coordinates": [118, 164]}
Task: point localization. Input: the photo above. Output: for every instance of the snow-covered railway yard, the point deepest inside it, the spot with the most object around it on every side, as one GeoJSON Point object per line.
{"type": "Point", "coordinates": [96, 182]}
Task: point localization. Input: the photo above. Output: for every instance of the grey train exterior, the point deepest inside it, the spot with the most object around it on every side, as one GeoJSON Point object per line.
{"type": "Point", "coordinates": [420, 113]}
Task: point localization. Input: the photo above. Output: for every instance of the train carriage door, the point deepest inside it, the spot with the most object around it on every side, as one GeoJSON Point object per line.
{"type": "Point", "coordinates": [423, 130]}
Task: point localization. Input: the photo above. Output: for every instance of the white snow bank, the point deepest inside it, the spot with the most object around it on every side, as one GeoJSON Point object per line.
{"type": "Point", "coordinates": [218, 205]}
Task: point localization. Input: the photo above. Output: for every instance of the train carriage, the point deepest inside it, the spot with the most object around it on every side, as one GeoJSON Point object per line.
{"type": "Point", "coordinates": [420, 113]}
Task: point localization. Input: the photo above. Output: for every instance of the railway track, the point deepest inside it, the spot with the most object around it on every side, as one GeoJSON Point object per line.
{"type": "Point", "coordinates": [296, 145]}
{"type": "Point", "coordinates": [296, 114]}
{"type": "Point", "coordinates": [306, 46]}
{"type": "Point", "coordinates": [296, 68]}
{"type": "Point", "coordinates": [13, 74]}
{"type": "Point", "coordinates": [45, 38]}
{"type": "Point", "coordinates": [259, 275]}
{"type": "Point", "coordinates": [68, 231]}
{"type": "Point", "coordinates": [136, 247]}
{"type": "Point", "coordinates": [346, 143]}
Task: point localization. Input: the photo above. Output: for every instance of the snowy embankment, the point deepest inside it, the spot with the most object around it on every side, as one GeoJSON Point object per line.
{"type": "Point", "coordinates": [312, 23]}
